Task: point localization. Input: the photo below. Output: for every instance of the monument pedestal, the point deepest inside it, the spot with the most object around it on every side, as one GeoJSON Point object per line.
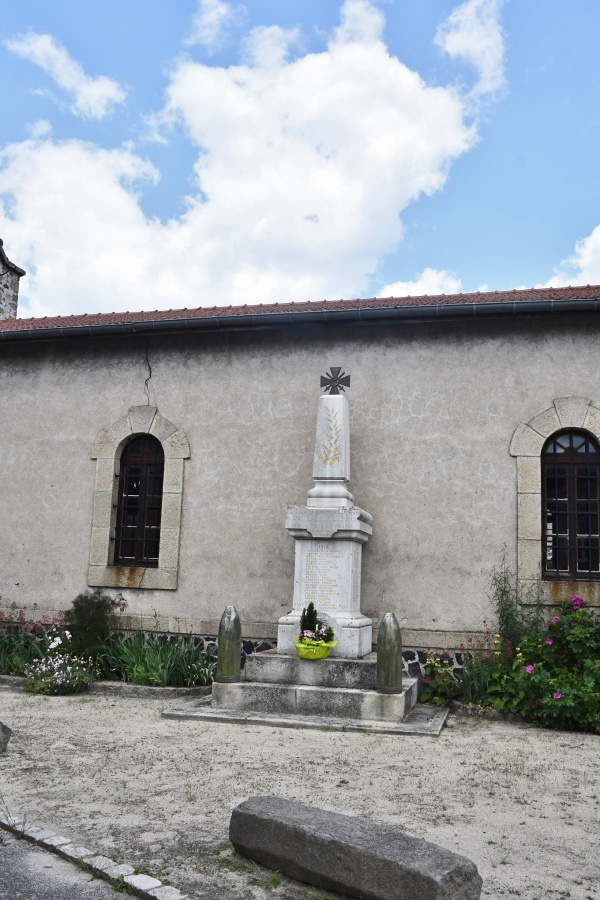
{"type": "Point", "coordinates": [329, 532]}
{"type": "Point", "coordinates": [327, 572]}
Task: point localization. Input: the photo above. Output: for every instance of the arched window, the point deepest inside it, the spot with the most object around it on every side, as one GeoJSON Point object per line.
{"type": "Point", "coordinates": [570, 462]}
{"type": "Point", "coordinates": [136, 527]}
{"type": "Point", "coordinates": [139, 502]}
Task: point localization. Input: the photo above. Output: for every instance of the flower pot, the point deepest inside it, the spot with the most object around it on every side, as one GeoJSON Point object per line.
{"type": "Point", "coordinates": [316, 650]}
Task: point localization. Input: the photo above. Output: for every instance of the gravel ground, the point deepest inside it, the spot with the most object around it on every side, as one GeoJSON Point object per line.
{"type": "Point", "coordinates": [522, 803]}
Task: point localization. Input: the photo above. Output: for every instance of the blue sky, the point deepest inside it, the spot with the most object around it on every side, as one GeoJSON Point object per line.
{"type": "Point", "coordinates": [209, 152]}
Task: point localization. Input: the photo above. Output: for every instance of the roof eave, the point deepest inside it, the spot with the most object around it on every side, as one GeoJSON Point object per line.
{"type": "Point", "coordinates": [281, 318]}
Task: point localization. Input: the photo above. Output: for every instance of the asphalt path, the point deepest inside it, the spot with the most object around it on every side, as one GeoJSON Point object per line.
{"type": "Point", "coordinates": [29, 873]}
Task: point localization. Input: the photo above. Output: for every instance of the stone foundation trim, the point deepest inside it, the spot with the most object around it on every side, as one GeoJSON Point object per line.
{"type": "Point", "coordinates": [354, 857]}
{"type": "Point", "coordinates": [107, 453]}
{"type": "Point", "coordinates": [413, 638]}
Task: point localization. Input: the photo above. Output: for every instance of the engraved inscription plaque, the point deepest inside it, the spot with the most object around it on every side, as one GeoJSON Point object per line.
{"type": "Point", "coordinates": [322, 577]}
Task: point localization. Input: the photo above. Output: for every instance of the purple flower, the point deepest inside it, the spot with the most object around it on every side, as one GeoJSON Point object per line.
{"type": "Point", "coordinates": [538, 702]}
{"type": "Point", "coordinates": [555, 619]}
{"type": "Point", "coordinates": [576, 602]}
{"type": "Point", "coordinates": [529, 669]}
{"type": "Point", "coordinates": [557, 695]}
{"type": "Point", "coordinates": [548, 641]}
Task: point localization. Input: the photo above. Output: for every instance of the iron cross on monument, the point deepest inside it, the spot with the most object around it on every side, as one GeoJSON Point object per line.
{"type": "Point", "coordinates": [335, 381]}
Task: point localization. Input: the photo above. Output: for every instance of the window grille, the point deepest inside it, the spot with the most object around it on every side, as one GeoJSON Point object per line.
{"type": "Point", "coordinates": [137, 535]}
{"type": "Point", "coordinates": [570, 537]}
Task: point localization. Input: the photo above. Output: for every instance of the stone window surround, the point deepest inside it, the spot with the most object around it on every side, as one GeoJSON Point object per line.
{"type": "Point", "coordinates": [526, 445]}
{"type": "Point", "coordinates": [107, 453]}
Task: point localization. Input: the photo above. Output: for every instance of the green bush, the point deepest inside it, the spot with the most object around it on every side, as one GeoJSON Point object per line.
{"type": "Point", "coordinates": [551, 677]}
{"type": "Point", "coordinates": [157, 661]}
{"type": "Point", "coordinates": [90, 621]}
{"type": "Point", "coordinates": [558, 672]}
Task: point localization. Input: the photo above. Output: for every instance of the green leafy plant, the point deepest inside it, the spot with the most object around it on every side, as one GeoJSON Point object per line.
{"type": "Point", "coordinates": [439, 685]}
{"type": "Point", "coordinates": [551, 676]}
{"type": "Point", "coordinates": [558, 671]}
{"type": "Point", "coordinates": [24, 640]}
{"type": "Point", "coordinates": [157, 661]}
{"type": "Point", "coordinates": [477, 672]}
{"type": "Point", "coordinates": [90, 621]}
{"type": "Point", "coordinates": [518, 608]}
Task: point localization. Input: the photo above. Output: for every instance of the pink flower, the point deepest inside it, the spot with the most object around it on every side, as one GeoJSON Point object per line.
{"type": "Point", "coordinates": [576, 602]}
{"type": "Point", "coordinates": [557, 695]}
{"type": "Point", "coordinates": [555, 619]}
{"type": "Point", "coordinates": [529, 669]}
{"type": "Point", "coordinates": [538, 702]}
{"type": "Point", "coordinates": [598, 620]}
{"type": "Point", "coordinates": [548, 641]}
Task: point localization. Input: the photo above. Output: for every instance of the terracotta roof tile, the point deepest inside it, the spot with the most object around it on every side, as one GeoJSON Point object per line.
{"type": "Point", "coordinates": [90, 320]}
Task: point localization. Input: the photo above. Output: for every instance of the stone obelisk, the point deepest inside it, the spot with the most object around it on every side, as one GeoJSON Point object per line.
{"type": "Point", "coordinates": [329, 533]}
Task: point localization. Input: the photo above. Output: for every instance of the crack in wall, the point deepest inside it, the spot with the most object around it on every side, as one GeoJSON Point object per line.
{"type": "Point", "coordinates": [147, 380]}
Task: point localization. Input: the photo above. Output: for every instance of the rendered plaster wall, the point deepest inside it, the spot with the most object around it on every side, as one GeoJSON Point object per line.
{"type": "Point", "coordinates": [433, 410]}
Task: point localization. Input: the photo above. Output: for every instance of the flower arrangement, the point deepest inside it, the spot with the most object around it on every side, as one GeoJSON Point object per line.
{"type": "Point", "coordinates": [315, 640]}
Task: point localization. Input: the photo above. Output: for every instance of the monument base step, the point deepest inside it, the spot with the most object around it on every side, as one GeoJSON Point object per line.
{"type": "Point", "coordinates": [311, 700]}
{"type": "Point", "coordinates": [333, 672]}
{"type": "Point", "coordinates": [422, 719]}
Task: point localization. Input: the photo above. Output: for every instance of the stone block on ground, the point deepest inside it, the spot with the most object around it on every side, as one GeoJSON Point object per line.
{"type": "Point", "coordinates": [5, 733]}
{"type": "Point", "coordinates": [351, 856]}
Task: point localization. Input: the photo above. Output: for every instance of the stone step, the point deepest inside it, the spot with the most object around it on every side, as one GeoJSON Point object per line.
{"type": "Point", "coordinates": [311, 700]}
{"type": "Point", "coordinates": [422, 719]}
{"type": "Point", "coordinates": [334, 672]}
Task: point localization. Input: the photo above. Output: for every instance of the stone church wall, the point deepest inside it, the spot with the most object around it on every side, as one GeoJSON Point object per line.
{"type": "Point", "coordinates": [433, 409]}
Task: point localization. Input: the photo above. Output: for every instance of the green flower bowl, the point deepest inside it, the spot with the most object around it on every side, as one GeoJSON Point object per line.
{"type": "Point", "coordinates": [316, 650]}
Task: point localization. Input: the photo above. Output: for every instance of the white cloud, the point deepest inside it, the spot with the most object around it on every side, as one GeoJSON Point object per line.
{"type": "Point", "coordinates": [473, 33]}
{"type": "Point", "coordinates": [303, 170]}
{"type": "Point", "coordinates": [429, 281]}
{"type": "Point", "coordinates": [268, 46]}
{"type": "Point", "coordinates": [92, 98]}
{"type": "Point", "coordinates": [38, 129]}
{"type": "Point", "coordinates": [583, 267]}
{"type": "Point", "coordinates": [75, 220]}
{"type": "Point", "coordinates": [360, 22]}
{"type": "Point", "coordinates": [211, 21]}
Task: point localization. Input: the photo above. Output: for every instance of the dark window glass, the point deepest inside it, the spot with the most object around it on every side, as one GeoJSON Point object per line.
{"type": "Point", "coordinates": [139, 502]}
{"type": "Point", "coordinates": [570, 539]}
